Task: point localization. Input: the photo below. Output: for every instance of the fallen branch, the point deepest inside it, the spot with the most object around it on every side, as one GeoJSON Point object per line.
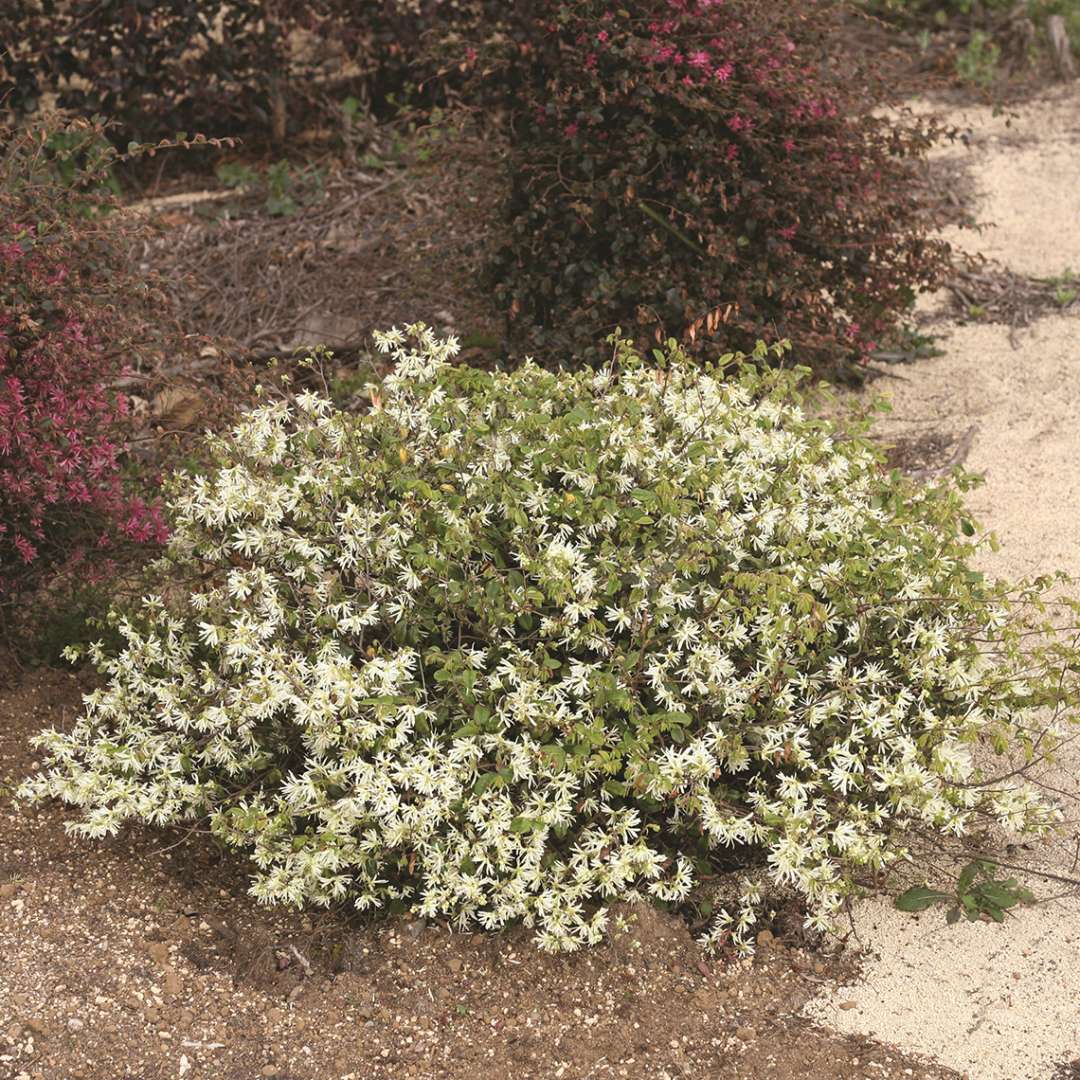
{"type": "Point", "coordinates": [957, 457]}
{"type": "Point", "coordinates": [183, 198]}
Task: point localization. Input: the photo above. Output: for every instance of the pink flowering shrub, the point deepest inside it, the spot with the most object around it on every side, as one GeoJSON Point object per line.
{"type": "Point", "coordinates": [63, 493]}
{"type": "Point", "coordinates": [682, 165]}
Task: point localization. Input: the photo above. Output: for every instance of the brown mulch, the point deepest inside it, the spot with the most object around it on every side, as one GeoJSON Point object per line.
{"type": "Point", "coordinates": [389, 242]}
{"type": "Point", "coordinates": [919, 59]}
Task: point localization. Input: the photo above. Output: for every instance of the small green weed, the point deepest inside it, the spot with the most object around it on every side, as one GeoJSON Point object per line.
{"type": "Point", "coordinates": [978, 894]}
{"type": "Point", "coordinates": [978, 63]}
{"type": "Point", "coordinates": [84, 157]}
{"type": "Point", "coordinates": [907, 345]}
{"type": "Point", "coordinates": [283, 188]}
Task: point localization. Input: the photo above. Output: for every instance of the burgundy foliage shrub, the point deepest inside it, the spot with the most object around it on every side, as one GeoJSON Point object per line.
{"type": "Point", "coordinates": [684, 165]}
{"type": "Point", "coordinates": [62, 428]}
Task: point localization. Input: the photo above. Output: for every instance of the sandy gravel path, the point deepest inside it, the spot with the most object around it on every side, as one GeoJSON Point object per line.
{"type": "Point", "coordinates": [997, 1003]}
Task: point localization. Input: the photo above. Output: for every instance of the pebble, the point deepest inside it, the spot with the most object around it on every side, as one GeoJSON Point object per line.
{"type": "Point", "coordinates": [268, 1070]}
{"type": "Point", "coordinates": [745, 1034]}
{"type": "Point", "coordinates": [158, 951]}
{"type": "Point", "coordinates": [454, 964]}
{"type": "Point", "coordinates": [766, 938]}
{"type": "Point", "coordinates": [174, 985]}
{"type": "Point", "coordinates": [75, 1024]}
{"type": "Point", "coordinates": [846, 1005]}
{"type": "Point", "coordinates": [7, 890]}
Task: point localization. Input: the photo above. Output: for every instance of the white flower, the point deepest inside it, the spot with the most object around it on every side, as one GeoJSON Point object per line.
{"type": "Point", "coordinates": [495, 685]}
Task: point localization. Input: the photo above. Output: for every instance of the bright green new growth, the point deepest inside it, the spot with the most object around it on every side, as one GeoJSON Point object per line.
{"type": "Point", "coordinates": [516, 646]}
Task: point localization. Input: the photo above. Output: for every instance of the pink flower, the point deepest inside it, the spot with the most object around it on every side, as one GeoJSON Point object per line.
{"type": "Point", "coordinates": [60, 425]}
{"type": "Point", "coordinates": [26, 550]}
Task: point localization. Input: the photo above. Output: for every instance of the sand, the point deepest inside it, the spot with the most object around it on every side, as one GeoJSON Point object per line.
{"type": "Point", "coordinates": [997, 1002]}
{"type": "Point", "coordinates": [1026, 166]}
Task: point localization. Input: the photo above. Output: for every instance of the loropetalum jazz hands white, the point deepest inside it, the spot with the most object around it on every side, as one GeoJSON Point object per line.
{"type": "Point", "coordinates": [514, 646]}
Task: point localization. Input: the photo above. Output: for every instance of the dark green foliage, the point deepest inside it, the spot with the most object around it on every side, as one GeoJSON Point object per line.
{"type": "Point", "coordinates": [257, 70]}
{"type": "Point", "coordinates": [152, 68]}
{"type": "Point", "coordinates": [978, 894]}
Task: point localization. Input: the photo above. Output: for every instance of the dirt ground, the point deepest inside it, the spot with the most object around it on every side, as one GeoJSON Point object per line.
{"type": "Point", "coordinates": [142, 958]}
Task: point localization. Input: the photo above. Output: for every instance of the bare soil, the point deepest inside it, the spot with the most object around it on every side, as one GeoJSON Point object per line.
{"type": "Point", "coordinates": [142, 957]}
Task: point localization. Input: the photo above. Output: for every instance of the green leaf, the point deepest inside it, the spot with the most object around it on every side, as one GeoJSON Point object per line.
{"type": "Point", "coordinates": [997, 894]}
{"type": "Point", "coordinates": [919, 898]}
{"type": "Point", "coordinates": [967, 876]}
{"type": "Point", "coordinates": [524, 825]}
{"type": "Point", "coordinates": [485, 781]}
{"type": "Point", "coordinates": [556, 753]}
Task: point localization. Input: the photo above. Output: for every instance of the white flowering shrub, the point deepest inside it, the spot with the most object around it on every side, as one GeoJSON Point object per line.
{"type": "Point", "coordinates": [513, 646]}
